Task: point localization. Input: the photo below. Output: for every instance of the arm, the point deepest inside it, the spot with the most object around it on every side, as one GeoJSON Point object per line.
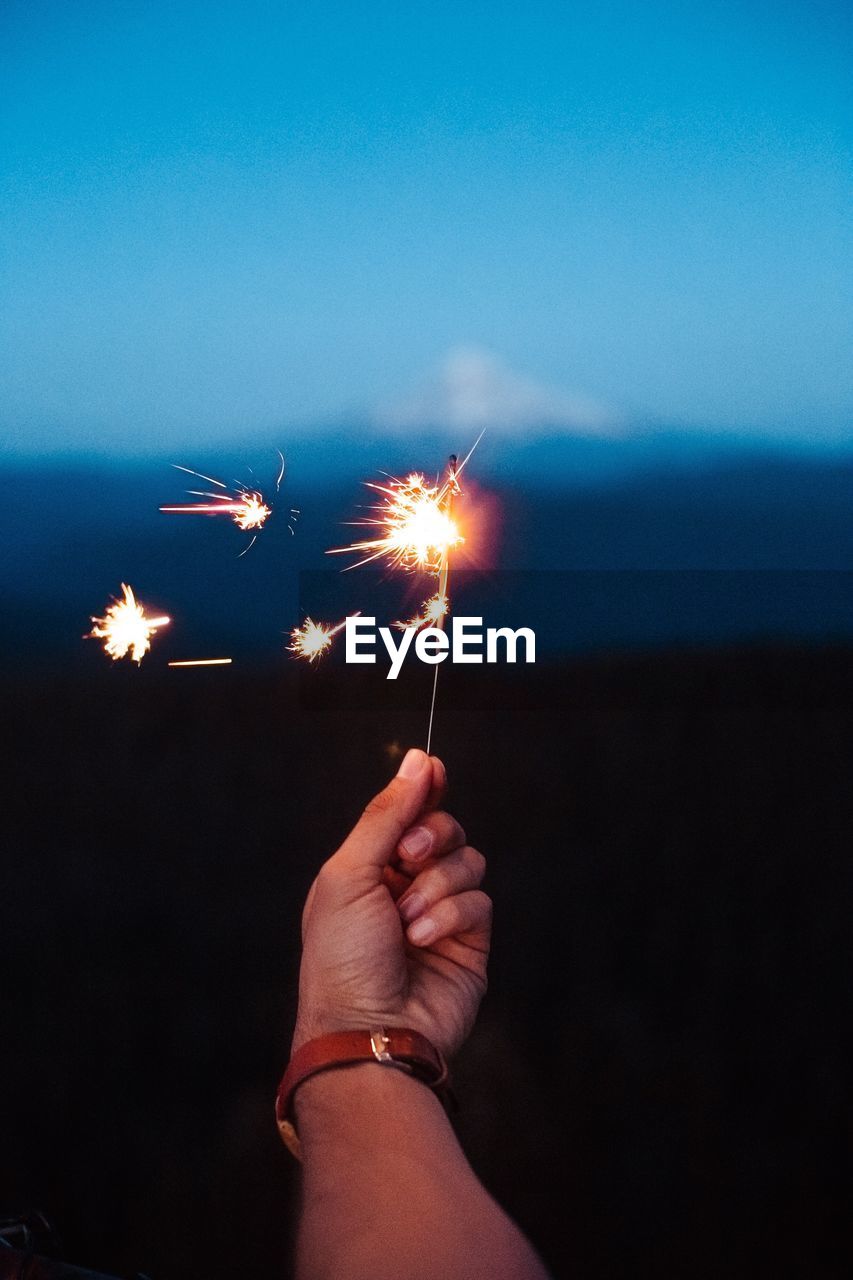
{"type": "Point", "coordinates": [387, 1188]}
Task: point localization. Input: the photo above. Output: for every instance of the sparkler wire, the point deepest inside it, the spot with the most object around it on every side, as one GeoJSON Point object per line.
{"type": "Point", "coordinates": [443, 579]}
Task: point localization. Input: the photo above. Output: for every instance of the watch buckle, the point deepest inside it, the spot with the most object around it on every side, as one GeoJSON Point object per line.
{"type": "Point", "coordinates": [379, 1042]}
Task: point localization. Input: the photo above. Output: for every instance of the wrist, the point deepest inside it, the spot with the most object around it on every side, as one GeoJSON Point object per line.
{"type": "Point", "coordinates": [395, 1051]}
{"type": "Point", "coordinates": [314, 1027]}
{"type": "Point", "coordinates": [367, 1125]}
{"type": "Point", "coordinates": [360, 1098]}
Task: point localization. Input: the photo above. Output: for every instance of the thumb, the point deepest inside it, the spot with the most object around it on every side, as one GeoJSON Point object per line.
{"type": "Point", "coordinates": [373, 839]}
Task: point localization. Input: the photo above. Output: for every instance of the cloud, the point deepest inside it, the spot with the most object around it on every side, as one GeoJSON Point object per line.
{"type": "Point", "coordinates": [473, 388]}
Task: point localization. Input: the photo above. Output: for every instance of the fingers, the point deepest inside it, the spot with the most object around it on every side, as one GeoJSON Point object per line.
{"type": "Point", "coordinates": [461, 870]}
{"type": "Point", "coordinates": [435, 834]}
{"type": "Point", "coordinates": [371, 843]}
{"type": "Point", "coordinates": [465, 914]}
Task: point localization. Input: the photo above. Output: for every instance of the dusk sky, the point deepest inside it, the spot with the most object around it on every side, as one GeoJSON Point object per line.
{"type": "Point", "coordinates": [220, 219]}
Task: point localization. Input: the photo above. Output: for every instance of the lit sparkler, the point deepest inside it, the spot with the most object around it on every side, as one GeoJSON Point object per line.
{"type": "Point", "coordinates": [124, 627]}
{"type": "Point", "coordinates": [415, 520]}
{"type": "Point", "coordinates": [432, 614]}
{"type": "Point", "coordinates": [414, 530]}
{"type": "Point", "coordinates": [246, 507]}
{"type": "Point", "coordinates": [441, 596]}
{"type": "Point", "coordinates": [417, 530]}
{"type": "Point", "coordinates": [312, 639]}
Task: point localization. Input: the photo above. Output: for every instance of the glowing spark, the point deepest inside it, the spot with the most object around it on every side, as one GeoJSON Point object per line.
{"type": "Point", "coordinates": [312, 639]}
{"type": "Point", "coordinates": [124, 627]}
{"type": "Point", "coordinates": [247, 509]}
{"type": "Point", "coordinates": [417, 529]}
{"type": "Point", "coordinates": [414, 530]}
{"type": "Point", "coordinates": [432, 613]}
{"type": "Point", "coordinates": [202, 662]}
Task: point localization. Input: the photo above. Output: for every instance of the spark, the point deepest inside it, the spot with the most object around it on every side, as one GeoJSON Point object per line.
{"type": "Point", "coordinates": [202, 662]}
{"type": "Point", "coordinates": [313, 639]}
{"type": "Point", "coordinates": [124, 627]}
{"type": "Point", "coordinates": [432, 613]}
{"type": "Point", "coordinates": [246, 507]}
{"type": "Point", "coordinates": [416, 531]}
{"type": "Point", "coordinates": [414, 517]}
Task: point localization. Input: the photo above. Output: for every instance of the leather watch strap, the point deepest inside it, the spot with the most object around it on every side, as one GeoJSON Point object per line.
{"type": "Point", "coordinates": [396, 1047]}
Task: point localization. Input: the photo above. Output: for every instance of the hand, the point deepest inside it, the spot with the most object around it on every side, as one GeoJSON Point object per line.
{"type": "Point", "coordinates": [395, 930]}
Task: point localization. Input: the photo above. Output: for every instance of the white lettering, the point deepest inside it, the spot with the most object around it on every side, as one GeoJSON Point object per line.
{"type": "Point", "coordinates": [461, 639]}
{"type": "Point", "coordinates": [353, 639]}
{"type": "Point", "coordinates": [511, 637]}
{"type": "Point", "coordinates": [431, 645]}
{"type": "Point", "coordinates": [396, 652]}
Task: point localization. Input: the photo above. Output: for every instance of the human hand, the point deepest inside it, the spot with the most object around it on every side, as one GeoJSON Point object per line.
{"type": "Point", "coordinates": [396, 930]}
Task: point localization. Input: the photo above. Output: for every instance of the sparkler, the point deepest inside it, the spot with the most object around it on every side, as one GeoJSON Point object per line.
{"type": "Point", "coordinates": [124, 627]}
{"type": "Point", "coordinates": [417, 528]}
{"type": "Point", "coordinates": [441, 596]}
{"type": "Point", "coordinates": [414, 530]}
{"type": "Point", "coordinates": [432, 614]}
{"type": "Point", "coordinates": [246, 507]}
{"type": "Point", "coordinates": [312, 639]}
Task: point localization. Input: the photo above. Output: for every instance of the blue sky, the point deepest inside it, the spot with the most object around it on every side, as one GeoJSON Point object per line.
{"type": "Point", "coordinates": [223, 218]}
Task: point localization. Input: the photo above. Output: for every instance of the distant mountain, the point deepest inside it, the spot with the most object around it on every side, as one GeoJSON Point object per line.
{"type": "Point", "coordinates": [542, 456]}
{"type": "Point", "coordinates": [472, 388]}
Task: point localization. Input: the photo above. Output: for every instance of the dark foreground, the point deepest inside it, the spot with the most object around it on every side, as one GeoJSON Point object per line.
{"type": "Point", "coordinates": [656, 1085]}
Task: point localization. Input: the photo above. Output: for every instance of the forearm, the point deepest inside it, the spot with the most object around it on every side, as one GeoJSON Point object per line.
{"type": "Point", "coordinates": [387, 1187]}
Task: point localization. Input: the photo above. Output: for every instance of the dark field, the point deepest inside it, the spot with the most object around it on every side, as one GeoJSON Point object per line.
{"type": "Point", "coordinates": [657, 1085]}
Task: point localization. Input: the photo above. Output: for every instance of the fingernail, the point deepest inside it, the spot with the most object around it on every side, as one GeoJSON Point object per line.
{"type": "Point", "coordinates": [417, 842]}
{"type": "Point", "coordinates": [411, 906]}
{"type": "Point", "coordinates": [413, 763]}
{"type": "Point", "coordinates": [422, 931]}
